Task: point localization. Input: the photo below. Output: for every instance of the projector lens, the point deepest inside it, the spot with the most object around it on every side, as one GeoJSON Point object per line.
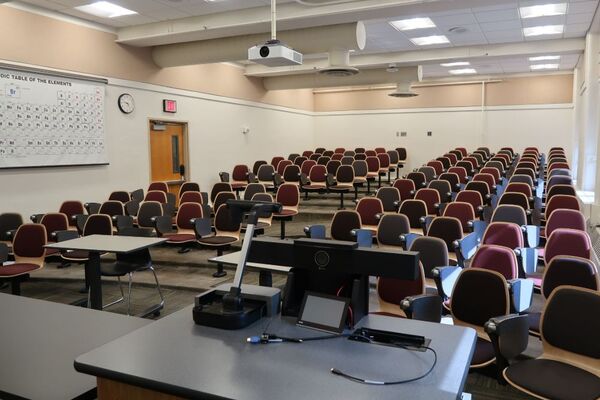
{"type": "Point", "coordinates": [264, 51]}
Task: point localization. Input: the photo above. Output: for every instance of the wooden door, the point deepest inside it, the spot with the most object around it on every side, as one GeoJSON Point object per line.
{"type": "Point", "coordinates": [167, 154]}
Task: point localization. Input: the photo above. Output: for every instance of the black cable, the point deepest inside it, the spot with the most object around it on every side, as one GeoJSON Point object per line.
{"type": "Point", "coordinates": [303, 339]}
{"type": "Point", "coordinates": [336, 371]}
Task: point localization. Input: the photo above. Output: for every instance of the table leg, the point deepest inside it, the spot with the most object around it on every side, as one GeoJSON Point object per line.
{"type": "Point", "coordinates": [92, 277]}
{"type": "Point", "coordinates": [265, 278]}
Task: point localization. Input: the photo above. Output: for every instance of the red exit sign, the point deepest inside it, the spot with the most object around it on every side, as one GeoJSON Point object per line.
{"type": "Point", "coordinates": [170, 106]}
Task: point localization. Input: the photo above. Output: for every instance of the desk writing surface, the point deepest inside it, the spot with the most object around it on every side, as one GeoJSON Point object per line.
{"type": "Point", "coordinates": [107, 243]}
{"type": "Point", "coordinates": [39, 340]}
{"type": "Point", "coordinates": [176, 356]}
{"type": "Point", "coordinates": [234, 258]}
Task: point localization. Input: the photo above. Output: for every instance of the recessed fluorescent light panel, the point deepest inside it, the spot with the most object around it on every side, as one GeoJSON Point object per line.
{"type": "Point", "coordinates": [462, 71]}
{"type": "Point", "coordinates": [456, 64]}
{"type": "Point", "coordinates": [105, 9]}
{"type": "Point", "coordinates": [412, 23]}
{"type": "Point", "coordinates": [429, 40]}
{"type": "Point", "coordinates": [539, 67]}
{"type": "Point", "coordinates": [543, 30]}
{"type": "Point", "coordinates": [543, 10]}
{"type": "Point", "coordinates": [544, 58]}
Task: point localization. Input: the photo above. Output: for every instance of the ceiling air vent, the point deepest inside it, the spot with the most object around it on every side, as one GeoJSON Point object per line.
{"type": "Point", "coordinates": [323, 2]}
{"type": "Point", "coordinates": [339, 65]}
{"type": "Point", "coordinates": [403, 90]}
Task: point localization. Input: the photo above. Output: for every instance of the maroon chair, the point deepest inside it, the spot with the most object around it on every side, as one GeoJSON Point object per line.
{"type": "Point", "coordinates": [391, 292]}
{"type": "Point", "coordinates": [218, 188]}
{"type": "Point", "coordinates": [288, 196]}
{"type": "Point", "coordinates": [379, 150]}
{"type": "Point", "coordinates": [373, 167]}
{"type": "Point", "coordinates": [519, 187]}
{"type": "Point", "coordinates": [487, 178]}
{"type": "Point", "coordinates": [339, 150]}
{"type": "Point", "coordinates": [337, 156]}
{"type": "Point", "coordinates": [281, 165]}
{"type": "Point", "coordinates": [561, 201]}
{"type": "Point", "coordinates": [120, 195]}
{"type": "Point", "coordinates": [239, 177]}
{"type": "Point", "coordinates": [462, 150]}
{"type": "Point", "coordinates": [155, 195]}
{"type": "Point", "coordinates": [291, 174]}
{"type": "Point", "coordinates": [29, 252]}
{"type": "Point", "coordinates": [472, 197]}
{"type": "Point", "coordinates": [54, 222]}
{"type": "Point", "coordinates": [161, 186]}
{"type": "Point", "coordinates": [505, 234]}
{"type": "Point", "coordinates": [406, 187]}
{"type": "Point", "coordinates": [567, 242]}
{"type": "Point", "coordinates": [496, 258]}
{"type": "Point", "coordinates": [371, 153]}
{"type": "Point", "coordinates": [333, 166]}
{"type": "Point", "coordinates": [453, 179]}
{"type": "Point", "coordinates": [317, 178]}
{"type": "Point", "coordinates": [564, 218]}
{"type": "Point", "coordinates": [194, 187]}
{"type": "Point", "coordinates": [414, 211]}
{"type": "Point", "coordinates": [275, 161]}
{"type": "Point", "coordinates": [369, 208]}
{"type": "Point", "coordinates": [449, 229]}
{"type": "Point", "coordinates": [452, 157]}
{"type": "Point", "coordinates": [71, 208]}
{"type": "Point", "coordinates": [185, 228]}
{"type": "Point", "coordinates": [463, 211]}
{"type": "Point", "coordinates": [307, 153]}
{"type": "Point", "coordinates": [481, 187]}
{"type": "Point", "coordinates": [437, 166]}
{"type": "Point", "coordinates": [431, 197]}
{"type": "Point", "coordinates": [222, 198]}
{"type": "Point", "coordinates": [195, 197]}
{"type": "Point", "coordinates": [384, 166]}
{"type": "Point", "coordinates": [461, 172]}
{"type": "Point", "coordinates": [495, 172]}
{"type": "Point", "coordinates": [227, 232]}
{"type": "Point", "coordinates": [306, 166]}
{"type": "Point", "coordinates": [299, 160]}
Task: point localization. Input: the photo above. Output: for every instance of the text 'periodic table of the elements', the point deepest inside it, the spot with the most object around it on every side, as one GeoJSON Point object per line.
{"type": "Point", "coordinates": [50, 121]}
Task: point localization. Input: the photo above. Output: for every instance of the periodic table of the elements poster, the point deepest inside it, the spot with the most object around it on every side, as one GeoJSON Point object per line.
{"type": "Point", "coordinates": [50, 121]}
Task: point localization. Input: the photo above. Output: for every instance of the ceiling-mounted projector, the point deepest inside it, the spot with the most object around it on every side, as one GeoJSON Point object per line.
{"type": "Point", "coordinates": [274, 54]}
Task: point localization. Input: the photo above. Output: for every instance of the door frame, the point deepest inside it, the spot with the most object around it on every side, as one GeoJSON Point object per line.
{"type": "Point", "coordinates": [186, 144]}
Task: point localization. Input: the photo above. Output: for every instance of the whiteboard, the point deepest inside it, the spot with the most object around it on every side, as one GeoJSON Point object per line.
{"type": "Point", "coordinates": [50, 121]}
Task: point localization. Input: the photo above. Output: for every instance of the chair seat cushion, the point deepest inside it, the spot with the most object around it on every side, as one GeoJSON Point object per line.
{"type": "Point", "coordinates": [314, 187]}
{"type": "Point", "coordinates": [238, 185]}
{"type": "Point", "coordinates": [217, 240]}
{"type": "Point", "coordinates": [76, 255]}
{"type": "Point", "coordinates": [534, 322]}
{"type": "Point", "coordinates": [52, 252]}
{"type": "Point", "coordinates": [285, 213]}
{"type": "Point", "coordinates": [180, 238]}
{"type": "Point", "coordinates": [341, 188]}
{"type": "Point", "coordinates": [554, 380]}
{"type": "Point", "coordinates": [484, 353]}
{"type": "Point", "coordinates": [119, 268]}
{"type": "Point", "coordinates": [17, 269]}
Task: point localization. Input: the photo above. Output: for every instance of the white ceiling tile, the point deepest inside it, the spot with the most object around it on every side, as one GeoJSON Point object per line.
{"type": "Point", "coordinates": [499, 15]}
{"type": "Point", "coordinates": [583, 7]}
{"type": "Point", "coordinates": [501, 6]}
{"type": "Point", "coordinates": [455, 20]}
{"type": "Point", "coordinates": [579, 18]}
{"type": "Point", "coordinates": [541, 21]}
{"type": "Point", "coordinates": [501, 25]}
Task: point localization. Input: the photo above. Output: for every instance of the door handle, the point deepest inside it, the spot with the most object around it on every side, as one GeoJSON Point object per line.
{"type": "Point", "coordinates": [182, 170]}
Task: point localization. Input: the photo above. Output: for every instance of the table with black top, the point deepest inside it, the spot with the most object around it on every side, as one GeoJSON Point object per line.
{"type": "Point", "coordinates": [39, 341]}
{"type": "Point", "coordinates": [174, 358]}
{"type": "Point", "coordinates": [95, 245]}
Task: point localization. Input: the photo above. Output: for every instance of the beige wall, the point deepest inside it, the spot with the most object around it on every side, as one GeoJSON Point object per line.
{"type": "Point", "coordinates": [548, 89]}
{"type": "Point", "coordinates": [47, 42]}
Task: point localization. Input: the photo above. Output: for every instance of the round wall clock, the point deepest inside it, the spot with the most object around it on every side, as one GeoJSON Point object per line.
{"type": "Point", "coordinates": [126, 103]}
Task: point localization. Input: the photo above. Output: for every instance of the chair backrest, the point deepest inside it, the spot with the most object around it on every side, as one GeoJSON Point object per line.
{"type": "Point", "coordinates": [558, 180]}
{"type": "Point", "coordinates": [347, 160]}
{"type": "Point", "coordinates": [574, 334]}
{"type": "Point", "coordinates": [462, 151]}
{"type": "Point", "coordinates": [291, 173]}
{"type": "Point", "coordinates": [257, 165]}
{"type": "Point", "coordinates": [505, 234]}
{"type": "Point", "coordinates": [565, 218]}
{"type": "Point", "coordinates": [561, 189]}
{"type": "Point", "coordinates": [293, 156]}
{"type": "Point", "coordinates": [69, 208]}
{"type": "Point", "coordinates": [487, 178]}
{"type": "Point", "coordinates": [517, 199]}
{"type": "Point", "coordinates": [527, 164]}
{"type": "Point", "coordinates": [571, 271]}
{"type": "Point", "coordinates": [323, 160]}
{"type": "Point", "coordinates": [446, 163]}
{"type": "Point", "coordinates": [54, 222]}
{"type": "Point", "coordinates": [431, 197]}
{"type": "Point", "coordinates": [120, 195]}
{"type": "Point", "coordinates": [360, 156]}
{"type": "Point", "coordinates": [474, 162]}
{"type": "Point", "coordinates": [495, 172]}
{"type": "Point", "coordinates": [448, 229]}
{"type": "Point", "coordinates": [315, 157]}
{"type": "Point", "coordinates": [429, 173]}
{"type": "Point", "coordinates": [188, 187]}
{"type": "Point", "coordinates": [29, 242]}
{"type": "Point", "coordinates": [414, 210]}
{"type": "Point", "coordinates": [112, 208]}
{"type": "Point", "coordinates": [342, 224]}
{"type": "Point", "coordinates": [522, 179]}
{"type": "Point", "coordinates": [222, 198]}
{"type": "Point", "coordinates": [306, 166]}
{"type": "Point", "coordinates": [479, 186]}
{"type": "Point", "coordinates": [345, 175]}
{"type": "Point", "coordinates": [372, 163]}
{"type": "Point", "coordinates": [98, 224]}
{"type": "Point", "coordinates": [337, 157]}
{"type": "Point", "coordinates": [332, 166]}
{"type": "Point", "coordinates": [320, 150]}
{"type": "Point", "coordinates": [559, 171]}
{"type": "Point", "coordinates": [147, 211]}
{"type": "Point", "coordinates": [525, 171]}
{"type": "Point", "coordinates": [457, 154]}
{"type": "Point", "coordinates": [478, 295]}
{"type": "Point", "coordinates": [510, 213]}
{"type": "Point", "coordinates": [218, 188]}
{"type": "Point", "coordinates": [240, 173]}
{"type": "Point", "coordinates": [226, 224]}
{"type": "Point", "coordinates": [265, 173]}
{"type": "Point", "coordinates": [452, 178]}
{"type": "Point", "coordinates": [275, 161]}
{"type": "Point", "coordinates": [318, 174]}
{"type": "Point", "coordinates": [162, 186]}
{"type": "Point", "coordinates": [379, 150]}
{"type": "Point", "coordinates": [389, 196]}
{"type": "Point", "coordinates": [568, 242]}
{"type": "Point", "coordinates": [307, 153]}
{"type": "Point", "coordinates": [328, 153]}
{"type": "Point", "coordinates": [463, 211]}
{"type": "Point", "coordinates": [267, 197]}
{"type": "Point", "coordinates": [496, 258]}
{"type": "Point", "coordinates": [156, 195]}
{"type": "Point", "coordinates": [281, 166]}
{"type": "Point", "coordinates": [252, 189]}
{"type": "Point", "coordinates": [443, 188]}
{"type": "Point", "coordinates": [187, 212]}
{"type": "Point", "coordinates": [195, 197]}
{"type": "Point", "coordinates": [339, 150]}
{"type": "Point", "coordinates": [394, 290]}
{"type": "Point", "coordinates": [461, 172]}
{"type": "Point", "coordinates": [401, 153]}
{"type": "Point", "coordinates": [361, 169]}
{"type": "Point", "coordinates": [558, 165]}
{"type": "Point", "coordinates": [391, 226]}
{"type": "Point", "coordinates": [394, 158]}
{"type": "Point", "coordinates": [519, 187]}
{"type": "Point", "coordinates": [384, 160]}
{"type": "Point", "coordinates": [418, 178]}
{"type": "Point", "coordinates": [288, 195]}
{"type": "Point", "coordinates": [437, 166]}
{"type": "Point", "coordinates": [507, 149]}
{"type": "Point", "coordinates": [368, 208]}
{"type": "Point", "coordinates": [562, 201]}
{"type": "Point", "coordinates": [472, 197]}
{"type": "Point", "coordinates": [452, 157]}
{"type": "Point", "coordinates": [467, 165]}
{"type": "Point", "coordinates": [349, 153]}
{"type": "Point", "coordinates": [299, 160]}
{"type": "Point", "coordinates": [433, 253]}
{"type": "Point", "coordinates": [359, 150]}
{"type": "Point", "coordinates": [405, 187]}
{"type": "Point", "coordinates": [495, 164]}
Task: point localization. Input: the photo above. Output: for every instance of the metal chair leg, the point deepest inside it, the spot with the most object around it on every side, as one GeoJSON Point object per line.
{"type": "Point", "coordinates": [113, 302]}
{"type": "Point", "coordinates": [162, 298]}
{"type": "Point", "coordinates": [220, 272]}
{"type": "Point", "coordinates": [129, 294]}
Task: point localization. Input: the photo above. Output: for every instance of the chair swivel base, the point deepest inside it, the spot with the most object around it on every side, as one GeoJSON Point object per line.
{"type": "Point", "coordinates": [220, 271]}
